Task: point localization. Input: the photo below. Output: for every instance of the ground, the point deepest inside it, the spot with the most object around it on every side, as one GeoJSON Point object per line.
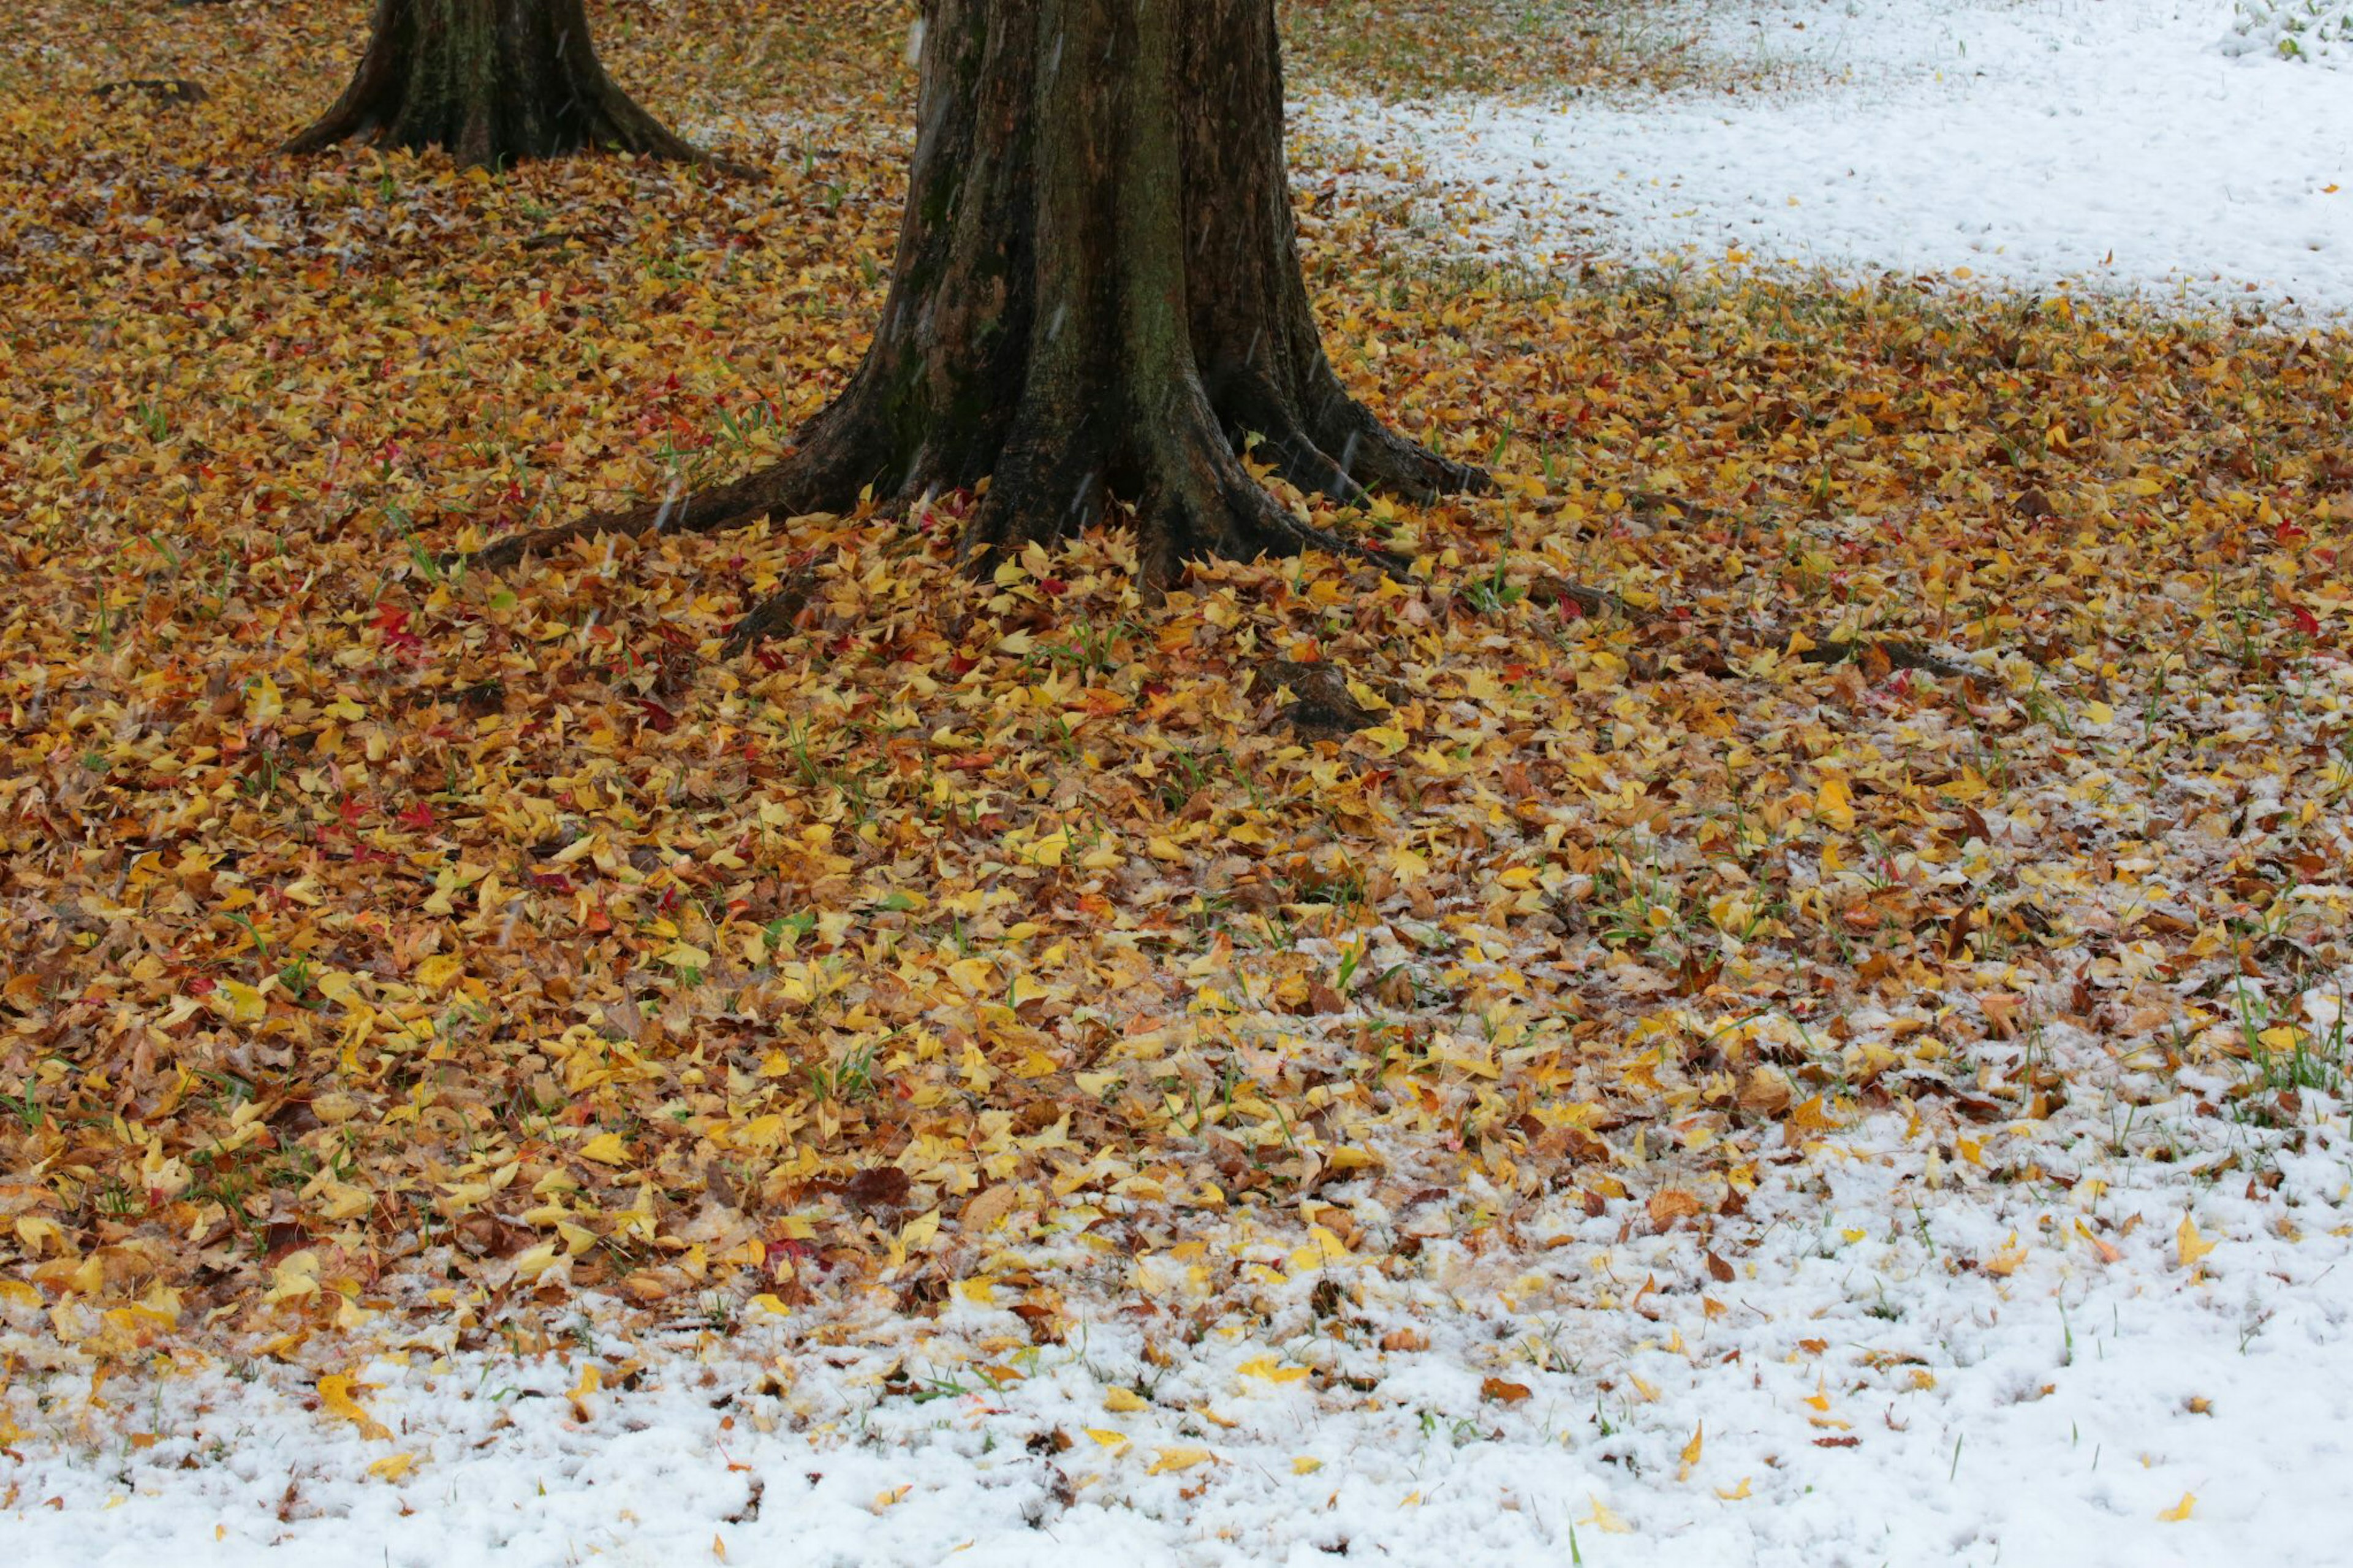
{"type": "Point", "coordinates": [1791, 1010]}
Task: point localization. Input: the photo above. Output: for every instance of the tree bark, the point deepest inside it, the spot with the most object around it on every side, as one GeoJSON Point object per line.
{"type": "Point", "coordinates": [493, 81]}
{"type": "Point", "coordinates": [1097, 300]}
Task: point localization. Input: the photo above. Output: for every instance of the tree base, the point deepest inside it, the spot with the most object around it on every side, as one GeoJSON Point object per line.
{"type": "Point", "coordinates": [493, 81]}
{"type": "Point", "coordinates": [1097, 300]}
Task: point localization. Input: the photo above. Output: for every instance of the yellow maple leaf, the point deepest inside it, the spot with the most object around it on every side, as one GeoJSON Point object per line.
{"type": "Point", "coordinates": [335, 1392]}
{"type": "Point", "coordinates": [605, 1148]}
{"type": "Point", "coordinates": [1734, 1494]}
{"type": "Point", "coordinates": [1180, 1459]}
{"type": "Point", "coordinates": [2192, 1245]}
{"type": "Point", "coordinates": [1107, 1437]}
{"type": "Point", "coordinates": [1123, 1401]}
{"type": "Point", "coordinates": [1305, 1465]}
{"type": "Point", "coordinates": [2180, 1511]}
{"type": "Point", "coordinates": [1692, 1448]}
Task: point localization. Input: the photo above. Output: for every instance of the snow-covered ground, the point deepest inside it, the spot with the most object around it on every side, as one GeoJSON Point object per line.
{"type": "Point", "coordinates": [2112, 143]}
{"type": "Point", "coordinates": [2121, 1335]}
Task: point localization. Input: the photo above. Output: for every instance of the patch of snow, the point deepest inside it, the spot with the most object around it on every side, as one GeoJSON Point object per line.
{"type": "Point", "coordinates": [1937, 1341]}
{"type": "Point", "coordinates": [2104, 143]}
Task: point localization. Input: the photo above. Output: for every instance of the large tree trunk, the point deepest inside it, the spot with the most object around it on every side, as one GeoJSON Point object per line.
{"type": "Point", "coordinates": [493, 81]}
{"type": "Point", "coordinates": [1097, 297]}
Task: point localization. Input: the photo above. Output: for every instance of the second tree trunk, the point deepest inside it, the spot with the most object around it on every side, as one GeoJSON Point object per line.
{"type": "Point", "coordinates": [493, 81]}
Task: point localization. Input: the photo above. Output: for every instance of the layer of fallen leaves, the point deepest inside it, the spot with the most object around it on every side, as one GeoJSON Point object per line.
{"type": "Point", "coordinates": [1851, 683]}
{"type": "Point", "coordinates": [1544, 48]}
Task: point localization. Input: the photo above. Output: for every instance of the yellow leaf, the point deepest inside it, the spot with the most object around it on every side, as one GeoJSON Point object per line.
{"type": "Point", "coordinates": [2005, 1262]}
{"type": "Point", "coordinates": [685, 956]}
{"type": "Point", "coordinates": [1691, 1450]}
{"type": "Point", "coordinates": [1180, 1459]}
{"type": "Point", "coordinates": [1734, 1494]}
{"type": "Point", "coordinates": [978, 1290]}
{"type": "Point", "coordinates": [35, 1232]}
{"type": "Point", "coordinates": [1123, 1401]}
{"type": "Point", "coordinates": [246, 1005]}
{"type": "Point", "coordinates": [391, 1467]}
{"type": "Point", "coordinates": [1109, 1439]}
{"type": "Point", "coordinates": [2193, 1247]}
{"type": "Point", "coordinates": [1323, 1246]}
{"type": "Point", "coordinates": [1408, 864]}
{"type": "Point", "coordinates": [1608, 1521]}
{"type": "Point", "coordinates": [605, 1148]}
{"type": "Point", "coordinates": [1834, 804]}
{"type": "Point", "coordinates": [296, 1276]}
{"type": "Point", "coordinates": [2181, 1511]}
{"type": "Point", "coordinates": [1305, 1466]}
{"type": "Point", "coordinates": [264, 701]}
{"type": "Point", "coordinates": [440, 971]}
{"type": "Point", "coordinates": [891, 1497]}
{"type": "Point", "coordinates": [769, 1302]}
{"type": "Point", "coordinates": [335, 1392]}
{"type": "Point", "coordinates": [921, 1231]}
{"type": "Point", "coordinates": [1266, 1367]}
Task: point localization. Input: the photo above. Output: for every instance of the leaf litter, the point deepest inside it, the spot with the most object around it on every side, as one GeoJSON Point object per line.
{"type": "Point", "coordinates": [1884, 743]}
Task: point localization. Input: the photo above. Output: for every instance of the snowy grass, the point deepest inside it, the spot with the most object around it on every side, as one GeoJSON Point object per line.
{"type": "Point", "coordinates": [2319, 31]}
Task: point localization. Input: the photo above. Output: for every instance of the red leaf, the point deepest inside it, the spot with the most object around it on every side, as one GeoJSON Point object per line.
{"type": "Point", "coordinates": [419, 816]}
{"type": "Point", "coordinates": [2303, 619]}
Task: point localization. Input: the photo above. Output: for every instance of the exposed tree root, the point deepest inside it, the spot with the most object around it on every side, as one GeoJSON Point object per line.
{"type": "Point", "coordinates": [1880, 654]}
{"type": "Point", "coordinates": [772, 617]}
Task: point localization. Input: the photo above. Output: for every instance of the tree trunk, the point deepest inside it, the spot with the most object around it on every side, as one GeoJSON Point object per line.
{"type": "Point", "coordinates": [494, 81]}
{"type": "Point", "coordinates": [1097, 297]}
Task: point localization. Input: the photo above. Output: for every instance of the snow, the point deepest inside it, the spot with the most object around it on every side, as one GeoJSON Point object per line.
{"type": "Point", "coordinates": [2109, 143]}
{"type": "Point", "coordinates": [1942, 1340]}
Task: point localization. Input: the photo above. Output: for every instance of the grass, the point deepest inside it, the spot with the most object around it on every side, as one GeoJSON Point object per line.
{"type": "Point", "coordinates": [1423, 47]}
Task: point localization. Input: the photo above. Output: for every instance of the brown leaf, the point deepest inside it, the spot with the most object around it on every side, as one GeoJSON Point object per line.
{"type": "Point", "coordinates": [1669, 1205]}
{"type": "Point", "coordinates": [877, 1187]}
